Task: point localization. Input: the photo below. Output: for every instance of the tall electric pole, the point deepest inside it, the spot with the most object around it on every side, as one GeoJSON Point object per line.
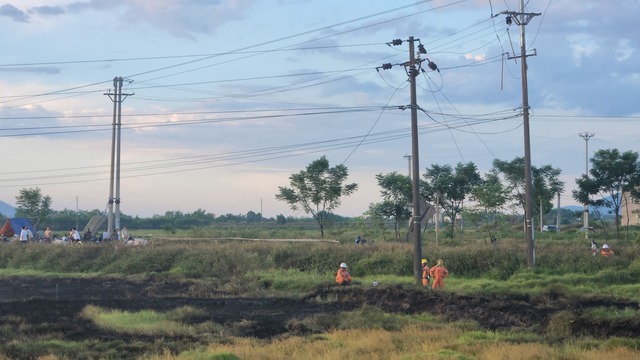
{"type": "Point", "coordinates": [585, 216]}
{"type": "Point", "coordinates": [521, 18]}
{"type": "Point", "coordinates": [412, 68]}
{"type": "Point", "coordinates": [117, 99]}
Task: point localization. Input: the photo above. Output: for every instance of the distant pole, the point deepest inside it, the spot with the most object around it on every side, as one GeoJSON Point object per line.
{"type": "Point", "coordinates": [408, 157]}
{"type": "Point", "coordinates": [115, 151]}
{"type": "Point", "coordinates": [585, 217]}
{"type": "Point", "coordinates": [118, 131]}
{"type": "Point", "coordinates": [558, 213]}
{"type": "Point", "coordinates": [437, 215]}
{"type": "Point", "coordinates": [541, 215]}
{"type": "Point", "coordinates": [76, 212]}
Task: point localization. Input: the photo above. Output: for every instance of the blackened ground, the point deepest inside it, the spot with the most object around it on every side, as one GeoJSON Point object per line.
{"type": "Point", "coordinates": [53, 305]}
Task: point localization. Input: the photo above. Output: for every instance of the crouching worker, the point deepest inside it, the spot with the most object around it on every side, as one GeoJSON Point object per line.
{"type": "Point", "coordinates": [425, 273]}
{"type": "Point", "coordinates": [439, 273]}
{"type": "Point", "coordinates": [343, 277]}
{"type": "Point", "coordinates": [605, 251]}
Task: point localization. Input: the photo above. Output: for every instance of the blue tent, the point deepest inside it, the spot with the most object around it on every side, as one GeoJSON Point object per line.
{"type": "Point", "coordinates": [13, 226]}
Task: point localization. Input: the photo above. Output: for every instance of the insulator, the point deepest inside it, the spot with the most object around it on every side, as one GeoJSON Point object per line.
{"type": "Point", "coordinates": [386, 66]}
{"type": "Point", "coordinates": [433, 66]}
{"type": "Point", "coordinates": [509, 20]}
{"type": "Point", "coordinates": [421, 49]}
{"type": "Point", "coordinates": [396, 42]}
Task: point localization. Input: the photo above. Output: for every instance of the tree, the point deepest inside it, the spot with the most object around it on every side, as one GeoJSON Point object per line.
{"type": "Point", "coordinates": [31, 204]}
{"type": "Point", "coordinates": [545, 183]}
{"type": "Point", "coordinates": [317, 190]}
{"type": "Point", "coordinates": [450, 187]}
{"type": "Point", "coordinates": [397, 195]}
{"type": "Point", "coordinates": [491, 196]}
{"type": "Point", "coordinates": [612, 173]}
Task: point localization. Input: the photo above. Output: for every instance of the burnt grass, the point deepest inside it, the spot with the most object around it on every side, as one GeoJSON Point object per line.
{"type": "Point", "coordinates": [33, 308]}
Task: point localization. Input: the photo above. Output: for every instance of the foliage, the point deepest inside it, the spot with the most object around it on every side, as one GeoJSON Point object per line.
{"type": "Point", "coordinates": [612, 174]}
{"type": "Point", "coordinates": [545, 184]}
{"type": "Point", "coordinates": [451, 187]}
{"type": "Point", "coordinates": [32, 204]}
{"type": "Point", "coordinates": [397, 193]}
{"type": "Point", "coordinates": [317, 190]}
{"type": "Point", "coordinates": [491, 196]}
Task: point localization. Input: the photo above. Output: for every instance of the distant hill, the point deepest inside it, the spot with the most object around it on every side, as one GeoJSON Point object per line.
{"type": "Point", "coordinates": [6, 209]}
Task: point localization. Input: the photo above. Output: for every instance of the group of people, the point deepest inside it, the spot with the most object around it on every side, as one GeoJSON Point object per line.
{"type": "Point", "coordinates": [25, 235]}
{"type": "Point", "coordinates": [362, 241]}
{"type": "Point", "coordinates": [438, 273]}
{"type": "Point", "coordinates": [47, 237]}
{"type": "Point", "coordinates": [606, 251]}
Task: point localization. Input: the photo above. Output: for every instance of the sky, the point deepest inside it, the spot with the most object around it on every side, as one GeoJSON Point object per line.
{"type": "Point", "coordinates": [224, 100]}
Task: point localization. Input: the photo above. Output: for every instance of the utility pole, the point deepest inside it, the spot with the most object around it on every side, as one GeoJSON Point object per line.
{"type": "Point", "coordinates": [115, 153]}
{"type": "Point", "coordinates": [585, 216]}
{"type": "Point", "coordinates": [558, 213]}
{"type": "Point", "coordinates": [541, 215]}
{"type": "Point", "coordinates": [412, 68]}
{"type": "Point", "coordinates": [417, 246]}
{"type": "Point", "coordinates": [408, 157]}
{"type": "Point", "coordinates": [437, 216]}
{"type": "Point", "coordinates": [521, 18]}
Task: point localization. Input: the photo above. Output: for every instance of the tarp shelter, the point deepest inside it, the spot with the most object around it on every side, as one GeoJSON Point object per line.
{"type": "Point", "coordinates": [95, 224]}
{"type": "Point", "coordinates": [13, 226]}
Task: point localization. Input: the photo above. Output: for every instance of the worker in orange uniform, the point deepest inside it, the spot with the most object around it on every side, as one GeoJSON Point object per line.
{"type": "Point", "coordinates": [605, 251]}
{"type": "Point", "coordinates": [343, 277]}
{"type": "Point", "coordinates": [438, 273]}
{"type": "Point", "coordinates": [425, 273]}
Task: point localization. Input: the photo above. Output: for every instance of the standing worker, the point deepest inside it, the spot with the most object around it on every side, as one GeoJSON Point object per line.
{"type": "Point", "coordinates": [425, 273]}
{"type": "Point", "coordinates": [439, 273]}
{"type": "Point", "coordinates": [343, 277]}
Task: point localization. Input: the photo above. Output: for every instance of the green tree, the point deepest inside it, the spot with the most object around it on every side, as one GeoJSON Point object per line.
{"type": "Point", "coordinates": [377, 216]}
{"type": "Point", "coordinates": [490, 196]}
{"type": "Point", "coordinates": [318, 190]}
{"type": "Point", "coordinates": [450, 186]}
{"type": "Point", "coordinates": [545, 183]}
{"type": "Point", "coordinates": [32, 204]}
{"type": "Point", "coordinates": [397, 192]}
{"type": "Point", "coordinates": [612, 174]}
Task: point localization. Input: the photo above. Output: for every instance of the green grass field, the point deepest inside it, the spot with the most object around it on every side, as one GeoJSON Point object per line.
{"type": "Point", "coordinates": [564, 268]}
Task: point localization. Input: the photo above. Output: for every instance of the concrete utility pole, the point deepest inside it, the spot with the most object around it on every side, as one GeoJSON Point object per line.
{"type": "Point", "coordinates": [558, 213]}
{"type": "Point", "coordinates": [585, 216]}
{"type": "Point", "coordinates": [408, 157]}
{"type": "Point", "coordinates": [115, 153]}
{"type": "Point", "coordinates": [417, 246]}
{"type": "Point", "coordinates": [412, 68]}
{"type": "Point", "coordinates": [521, 18]}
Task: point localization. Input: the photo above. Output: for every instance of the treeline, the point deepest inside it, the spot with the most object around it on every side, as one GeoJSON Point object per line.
{"type": "Point", "coordinates": [170, 221]}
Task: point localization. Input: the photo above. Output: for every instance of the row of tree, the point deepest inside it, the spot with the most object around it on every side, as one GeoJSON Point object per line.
{"type": "Point", "coordinates": [318, 189]}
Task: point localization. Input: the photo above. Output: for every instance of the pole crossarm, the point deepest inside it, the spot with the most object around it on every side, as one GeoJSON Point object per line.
{"type": "Point", "coordinates": [520, 18]}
